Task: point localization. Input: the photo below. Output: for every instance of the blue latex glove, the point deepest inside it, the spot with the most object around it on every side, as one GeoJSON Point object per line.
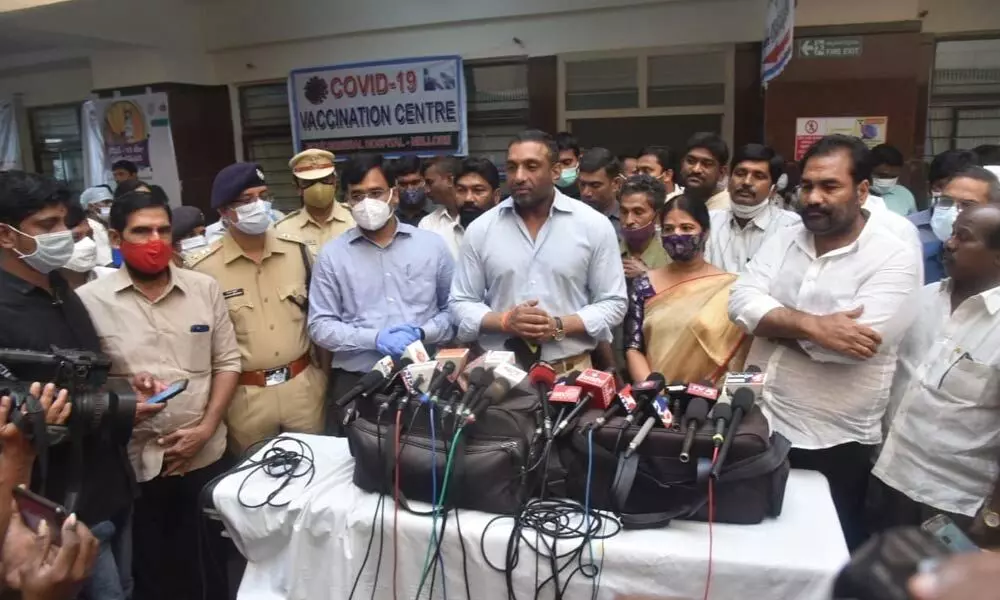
{"type": "Point", "coordinates": [394, 340]}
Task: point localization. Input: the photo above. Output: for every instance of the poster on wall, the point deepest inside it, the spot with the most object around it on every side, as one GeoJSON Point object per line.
{"type": "Point", "coordinates": [393, 107]}
{"type": "Point", "coordinates": [871, 130]}
{"type": "Point", "coordinates": [137, 129]}
{"type": "Point", "coordinates": [778, 39]}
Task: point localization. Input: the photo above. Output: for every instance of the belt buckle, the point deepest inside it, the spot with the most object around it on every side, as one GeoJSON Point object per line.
{"type": "Point", "coordinates": [277, 376]}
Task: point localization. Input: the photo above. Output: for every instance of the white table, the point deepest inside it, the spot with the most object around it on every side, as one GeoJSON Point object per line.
{"type": "Point", "coordinates": [312, 548]}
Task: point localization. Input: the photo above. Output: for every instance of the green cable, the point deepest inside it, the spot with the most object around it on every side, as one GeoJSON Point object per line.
{"type": "Point", "coordinates": [440, 502]}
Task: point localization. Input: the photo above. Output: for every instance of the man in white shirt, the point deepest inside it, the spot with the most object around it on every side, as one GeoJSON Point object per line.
{"type": "Point", "coordinates": [704, 166]}
{"type": "Point", "coordinates": [440, 174]}
{"type": "Point", "coordinates": [828, 301]}
{"type": "Point", "coordinates": [740, 230]}
{"type": "Point", "coordinates": [941, 452]}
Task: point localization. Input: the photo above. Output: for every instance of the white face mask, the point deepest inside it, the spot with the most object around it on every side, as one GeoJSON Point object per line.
{"type": "Point", "coordinates": [104, 212]}
{"type": "Point", "coordinates": [52, 250]}
{"type": "Point", "coordinates": [884, 185]}
{"type": "Point", "coordinates": [742, 211]}
{"type": "Point", "coordinates": [943, 220]}
{"type": "Point", "coordinates": [253, 218]}
{"type": "Point", "coordinates": [84, 257]}
{"type": "Point", "coordinates": [193, 243]}
{"type": "Point", "coordinates": [371, 214]}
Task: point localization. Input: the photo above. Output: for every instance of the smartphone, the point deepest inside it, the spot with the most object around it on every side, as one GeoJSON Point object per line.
{"type": "Point", "coordinates": [171, 391]}
{"type": "Point", "coordinates": [34, 509]}
{"type": "Point", "coordinates": [947, 533]}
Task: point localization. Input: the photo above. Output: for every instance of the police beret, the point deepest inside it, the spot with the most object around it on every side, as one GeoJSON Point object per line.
{"type": "Point", "coordinates": [185, 219]}
{"type": "Point", "coordinates": [233, 181]}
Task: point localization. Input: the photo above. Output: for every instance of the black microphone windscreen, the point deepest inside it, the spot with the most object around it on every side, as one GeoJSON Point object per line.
{"type": "Point", "coordinates": [403, 363]}
{"type": "Point", "coordinates": [571, 377]}
{"type": "Point", "coordinates": [743, 398]}
{"type": "Point", "coordinates": [658, 377]}
{"type": "Point", "coordinates": [370, 379]}
{"type": "Point", "coordinates": [478, 377]}
{"type": "Point", "coordinates": [722, 411]}
{"type": "Point", "coordinates": [751, 369]}
{"type": "Point", "coordinates": [697, 410]}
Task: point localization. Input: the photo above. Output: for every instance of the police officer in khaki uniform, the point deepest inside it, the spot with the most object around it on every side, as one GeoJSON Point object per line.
{"type": "Point", "coordinates": [264, 277]}
{"type": "Point", "coordinates": [321, 218]}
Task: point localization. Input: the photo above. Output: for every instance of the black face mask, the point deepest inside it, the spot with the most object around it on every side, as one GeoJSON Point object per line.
{"type": "Point", "coordinates": [468, 213]}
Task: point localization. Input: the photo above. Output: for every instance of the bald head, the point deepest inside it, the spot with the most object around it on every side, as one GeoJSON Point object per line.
{"type": "Point", "coordinates": [972, 253]}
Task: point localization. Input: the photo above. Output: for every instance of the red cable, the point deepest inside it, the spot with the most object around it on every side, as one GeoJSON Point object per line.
{"type": "Point", "coordinates": [711, 517]}
{"type": "Point", "coordinates": [395, 516]}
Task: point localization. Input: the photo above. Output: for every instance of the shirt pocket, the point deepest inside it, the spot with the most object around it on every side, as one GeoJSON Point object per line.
{"type": "Point", "coordinates": [294, 299]}
{"type": "Point", "coordinates": [967, 380]}
{"type": "Point", "coordinates": [198, 351]}
{"type": "Point", "coordinates": [241, 311]}
{"type": "Point", "coordinates": [418, 288]}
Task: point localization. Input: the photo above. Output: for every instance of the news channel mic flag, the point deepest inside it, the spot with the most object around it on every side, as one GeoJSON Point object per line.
{"type": "Point", "coordinates": [393, 107]}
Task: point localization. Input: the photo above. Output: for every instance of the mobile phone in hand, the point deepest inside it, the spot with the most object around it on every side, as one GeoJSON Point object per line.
{"type": "Point", "coordinates": [949, 535]}
{"type": "Point", "coordinates": [172, 390]}
{"type": "Point", "coordinates": [34, 509]}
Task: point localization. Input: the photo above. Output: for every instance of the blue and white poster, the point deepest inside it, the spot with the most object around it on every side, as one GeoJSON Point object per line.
{"type": "Point", "coordinates": [394, 107]}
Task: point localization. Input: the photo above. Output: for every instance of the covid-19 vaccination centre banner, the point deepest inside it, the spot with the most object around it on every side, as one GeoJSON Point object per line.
{"type": "Point", "coordinates": [393, 107]}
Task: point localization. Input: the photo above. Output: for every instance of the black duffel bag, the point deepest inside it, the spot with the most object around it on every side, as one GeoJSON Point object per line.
{"type": "Point", "coordinates": [490, 470]}
{"type": "Point", "coordinates": [653, 486]}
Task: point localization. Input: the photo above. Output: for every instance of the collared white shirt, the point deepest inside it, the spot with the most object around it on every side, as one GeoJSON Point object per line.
{"type": "Point", "coordinates": [719, 201]}
{"type": "Point", "coordinates": [442, 223]}
{"type": "Point", "coordinates": [730, 247]}
{"type": "Point", "coordinates": [944, 438]}
{"type": "Point", "coordinates": [814, 397]}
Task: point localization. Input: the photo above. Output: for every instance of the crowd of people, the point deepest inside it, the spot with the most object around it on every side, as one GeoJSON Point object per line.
{"type": "Point", "coordinates": [875, 324]}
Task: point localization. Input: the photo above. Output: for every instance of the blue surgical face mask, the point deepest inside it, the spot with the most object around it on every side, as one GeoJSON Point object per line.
{"type": "Point", "coordinates": [943, 220]}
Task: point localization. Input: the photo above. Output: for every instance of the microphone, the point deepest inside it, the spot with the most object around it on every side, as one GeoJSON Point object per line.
{"type": "Point", "coordinates": [439, 381]}
{"type": "Point", "coordinates": [493, 394]}
{"type": "Point", "coordinates": [625, 401]}
{"type": "Point", "coordinates": [694, 417]}
{"type": "Point", "coordinates": [640, 437]}
{"type": "Point", "coordinates": [455, 356]}
{"type": "Point", "coordinates": [743, 401]}
{"type": "Point", "coordinates": [511, 374]}
{"type": "Point", "coordinates": [645, 392]}
{"type": "Point", "coordinates": [479, 379]}
{"type": "Point", "coordinates": [675, 391]}
{"type": "Point", "coordinates": [662, 406]}
{"type": "Point", "coordinates": [396, 374]}
{"type": "Point", "coordinates": [751, 378]}
{"type": "Point", "coordinates": [598, 390]}
{"type": "Point", "coordinates": [542, 377]}
{"type": "Point", "coordinates": [416, 352]}
{"type": "Point", "coordinates": [722, 413]}
{"type": "Point", "coordinates": [368, 382]}
{"type": "Point", "coordinates": [416, 376]}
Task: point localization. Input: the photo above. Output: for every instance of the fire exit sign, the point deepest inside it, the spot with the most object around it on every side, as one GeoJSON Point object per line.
{"type": "Point", "coordinates": [831, 47]}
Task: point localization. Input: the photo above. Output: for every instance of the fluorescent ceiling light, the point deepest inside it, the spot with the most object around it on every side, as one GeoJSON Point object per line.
{"type": "Point", "coordinates": [53, 140]}
{"type": "Point", "coordinates": [12, 5]}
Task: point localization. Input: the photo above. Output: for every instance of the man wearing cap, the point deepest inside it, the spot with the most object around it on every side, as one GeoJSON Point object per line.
{"type": "Point", "coordinates": [321, 218]}
{"type": "Point", "coordinates": [97, 202]}
{"type": "Point", "coordinates": [188, 229]}
{"type": "Point", "coordinates": [264, 276]}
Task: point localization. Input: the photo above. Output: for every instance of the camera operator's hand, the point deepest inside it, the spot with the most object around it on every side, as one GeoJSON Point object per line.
{"type": "Point", "coordinates": [182, 446]}
{"type": "Point", "coordinates": [145, 387]}
{"type": "Point", "coordinates": [57, 410]}
{"type": "Point", "coordinates": [42, 571]}
{"type": "Point", "coordinates": [973, 576]}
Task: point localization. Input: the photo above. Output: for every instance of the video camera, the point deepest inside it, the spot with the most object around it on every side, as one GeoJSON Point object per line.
{"type": "Point", "coordinates": [102, 405]}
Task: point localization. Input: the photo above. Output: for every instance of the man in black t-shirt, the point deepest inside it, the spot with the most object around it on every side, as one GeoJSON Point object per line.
{"type": "Point", "coordinates": [39, 311]}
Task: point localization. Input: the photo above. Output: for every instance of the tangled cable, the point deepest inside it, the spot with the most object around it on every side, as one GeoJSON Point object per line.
{"type": "Point", "coordinates": [279, 462]}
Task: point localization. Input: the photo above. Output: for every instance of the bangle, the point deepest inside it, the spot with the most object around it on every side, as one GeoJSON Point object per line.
{"type": "Point", "coordinates": [505, 321]}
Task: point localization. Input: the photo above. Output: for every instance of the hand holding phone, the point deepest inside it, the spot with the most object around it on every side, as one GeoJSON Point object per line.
{"type": "Point", "coordinates": [172, 390]}
{"type": "Point", "coordinates": [34, 509]}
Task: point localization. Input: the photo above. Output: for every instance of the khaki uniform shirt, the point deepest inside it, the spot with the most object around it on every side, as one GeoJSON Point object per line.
{"type": "Point", "coordinates": [302, 225]}
{"type": "Point", "coordinates": [266, 302]}
{"type": "Point", "coordinates": [184, 334]}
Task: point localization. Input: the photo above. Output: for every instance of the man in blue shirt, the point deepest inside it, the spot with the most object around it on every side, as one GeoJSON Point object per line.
{"type": "Point", "coordinates": [887, 164]}
{"type": "Point", "coordinates": [380, 286]}
{"type": "Point", "coordinates": [540, 266]}
{"type": "Point", "coordinates": [943, 167]}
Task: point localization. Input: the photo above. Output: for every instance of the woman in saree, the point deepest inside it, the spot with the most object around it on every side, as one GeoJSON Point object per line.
{"type": "Point", "coordinates": [677, 322]}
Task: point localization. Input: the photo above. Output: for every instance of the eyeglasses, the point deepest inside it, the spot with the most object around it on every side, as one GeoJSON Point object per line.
{"type": "Point", "coordinates": [377, 193]}
{"type": "Point", "coordinates": [961, 203]}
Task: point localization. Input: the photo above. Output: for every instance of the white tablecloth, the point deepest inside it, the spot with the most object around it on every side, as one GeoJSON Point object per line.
{"type": "Point", "coordinates": [312, 548]}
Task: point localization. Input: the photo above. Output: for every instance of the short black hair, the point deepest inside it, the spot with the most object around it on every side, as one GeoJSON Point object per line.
{"type": "Point", "coordinates": [884, 154]}
{"type": "Point", "coordinates": [566, 141]}
{"type": "Point", "coordinates": [861, 161]}
{"type": "Point", "coordinates": [446, 165]}
{"type": "Point", "coordinates": [652, 187]}
{"type": "Point", "coordinates": [761, 153]}
{"type": "Point", "coordinates": [357, 166]}
{"type": "Point", "coordinates": [539, 136]}
{"type": "Point", "coordinates": [945, 165]}
{"type": "Point", "coordinates": [127, 187]}
{"type": "Point", "coordinates": [123, 207]}
{"type": "Point", "coordinates": [125, 165]}
{"type": "Point", "coordinates": [987, 154]}
{"type": "Point", "coordinates": [692, 206]}
{"type": "Point", "coordinates": [75, 214]}
{"type": "Point", "coordinates": [595, 159]}
{"type": "Point", "coordinates": [664, 155]}
{"type": "Point", "coordinates": [984, 175]}
{"type": "Point", "coordinates": [712, 142]}
{"type": "Point", "coordinates": [483, 167]}
{"type": "Point", "coordinates": [24, 194]}
{"type": "Point", "coordinates": [628, 155]}
{"type": "Point", "coordinates": [406, 165]}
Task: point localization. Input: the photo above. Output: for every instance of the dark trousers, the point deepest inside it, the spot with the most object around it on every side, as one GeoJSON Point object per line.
{"type": "Point", "coordinates": [340, 382]}
{"type": "Point", "coordinates": [847, 468]}
{"type": "Point", "coordinates": [174, 547]}
{"type": "Point", "coordinates": [888, 508]}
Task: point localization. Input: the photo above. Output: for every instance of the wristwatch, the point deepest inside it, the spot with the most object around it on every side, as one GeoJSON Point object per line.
{"type": "Point", "coordinates": [990, 517]}
{"type": "Point", "coordinates": [559, 334]}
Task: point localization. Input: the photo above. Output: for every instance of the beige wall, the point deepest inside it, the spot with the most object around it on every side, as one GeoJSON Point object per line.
{"type": "Point", "coordinates": [809, 13]}
{"type": "Point", "coordinates": [43, 87]}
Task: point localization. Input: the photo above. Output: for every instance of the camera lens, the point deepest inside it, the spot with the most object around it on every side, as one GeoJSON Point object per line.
{"type": "Point", "coordinates": [111, 410]}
